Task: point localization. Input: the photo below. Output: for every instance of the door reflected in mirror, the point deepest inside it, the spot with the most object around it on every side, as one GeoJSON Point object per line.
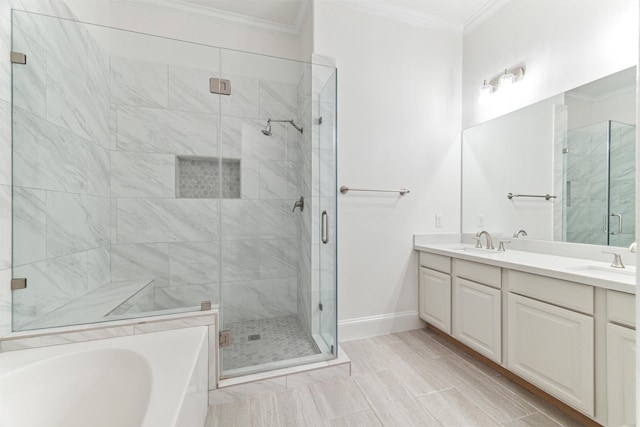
{"type": "Point", "coordinates": [578, 146]}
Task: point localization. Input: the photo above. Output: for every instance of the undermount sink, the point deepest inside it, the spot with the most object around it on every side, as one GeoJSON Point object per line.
{"type": "Point", "coordinates": [598, 269]}
{"type": "Point", "coordinates": [479, 251]}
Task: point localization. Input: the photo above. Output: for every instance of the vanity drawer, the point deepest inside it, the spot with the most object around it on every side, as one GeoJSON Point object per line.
{"type": "Point", "coordinates": [435, 262]}
{"type": "Point", "coordinates": [571, 295]}
{"type": "Point", "coordinates": [480, 273]}
{"type": "Point", "coordinates": [621, 308]}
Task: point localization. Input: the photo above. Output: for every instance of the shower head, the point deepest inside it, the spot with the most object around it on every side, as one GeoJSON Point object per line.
{"type": "Point", "coordinates": [267, 131]}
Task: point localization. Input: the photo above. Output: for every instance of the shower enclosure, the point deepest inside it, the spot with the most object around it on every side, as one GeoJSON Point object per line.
{"type": "Point", "coordinates": [599, 184]}
{"type": "Point", "coordinates": [143, 184]}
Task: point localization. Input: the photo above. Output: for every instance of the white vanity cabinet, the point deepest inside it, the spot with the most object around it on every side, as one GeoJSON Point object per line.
{"type": "Point", "coordinates": [477, 313]}
{"type": "Point", "coordinates": [435, 290]}
{"type": "Point", "coordinates": [551, 344]}
{"type": "Point", "coordinates": [621, 363]}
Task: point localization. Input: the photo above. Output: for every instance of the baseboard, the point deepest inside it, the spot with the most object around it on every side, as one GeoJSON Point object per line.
{"type": "Point", "coordinates": [362, 327]}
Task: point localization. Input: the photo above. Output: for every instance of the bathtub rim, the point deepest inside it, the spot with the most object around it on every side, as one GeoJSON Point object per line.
{"type": "Point", "coordinates": [166, 396]}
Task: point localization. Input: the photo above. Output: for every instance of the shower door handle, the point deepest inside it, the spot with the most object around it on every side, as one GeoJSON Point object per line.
{"type": "Point", "coordinates": [325, 227]}
{"type": "Point", "coordinates": [619, 216]}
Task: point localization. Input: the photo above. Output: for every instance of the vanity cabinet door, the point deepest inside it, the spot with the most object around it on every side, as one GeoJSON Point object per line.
{"type": "Point", "coordinates": [621, 374]}
{"type": "Point", "coordinates": [435, 298]}
{"type": "Point", "coordinates": [552, 348]}
{"type": "Point", "coordinates": [477, 317]}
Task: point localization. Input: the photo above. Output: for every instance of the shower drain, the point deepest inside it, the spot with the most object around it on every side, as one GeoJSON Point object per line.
{"type": "Point", "coordinates": [255, 337]}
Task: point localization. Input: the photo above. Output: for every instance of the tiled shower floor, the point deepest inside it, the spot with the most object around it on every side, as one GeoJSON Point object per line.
{"type": "Point", "coordinates": [280, 338]}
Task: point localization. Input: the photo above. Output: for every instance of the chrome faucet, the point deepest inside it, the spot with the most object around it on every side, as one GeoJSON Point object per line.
{"type": "Point", "coordinates": [299, 204]}
{"type": "Point", "coordinates": [520, 233]}
{"type": "Point", "coordinates": [617, 260]}
{"type": "Point", "coordinates": [486, 234]}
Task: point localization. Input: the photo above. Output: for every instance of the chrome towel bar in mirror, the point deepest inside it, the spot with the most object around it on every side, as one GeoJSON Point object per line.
{"type": "Point", "coordinates": [545, 196]}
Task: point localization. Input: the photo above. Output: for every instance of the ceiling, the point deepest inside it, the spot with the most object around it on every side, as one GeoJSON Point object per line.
{"type": "Point", "coordinates": [287, 15]}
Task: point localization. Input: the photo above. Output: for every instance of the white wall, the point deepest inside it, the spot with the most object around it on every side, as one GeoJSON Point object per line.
{"type": "Point", "coordinates": [186, 27]}
{"type": "Point", "coordinates": [563, 44]}
{"type": "Point", "coordinates": [398, 126]}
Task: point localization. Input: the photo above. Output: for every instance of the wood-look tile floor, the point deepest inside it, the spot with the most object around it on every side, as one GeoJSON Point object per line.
{"type": "Point", "coordinates": [412, 378]}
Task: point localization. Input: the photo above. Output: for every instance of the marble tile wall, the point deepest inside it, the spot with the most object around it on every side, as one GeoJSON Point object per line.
{"type": "Point", "coordinates": [197, 246]}
{"type": "Point", "coordinates": [101, 206]}
{"type": "Point", "coordinates": [61, 163]}
{"type": "Point", "coordinates": [596, 188]}
{"type": "Point", "coordinates": [158, 113]}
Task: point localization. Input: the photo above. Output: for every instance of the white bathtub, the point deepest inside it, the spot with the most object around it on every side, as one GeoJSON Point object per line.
{"type": "Point", "coordinates": [153, 380]}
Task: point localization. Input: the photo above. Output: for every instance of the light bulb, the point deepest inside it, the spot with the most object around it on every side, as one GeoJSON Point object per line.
{"type": "Point", "coordinates": [507, 79]}
{"type": "Point", "coordinates": [487, 89]}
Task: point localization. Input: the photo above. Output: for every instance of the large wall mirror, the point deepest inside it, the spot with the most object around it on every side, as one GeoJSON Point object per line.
{"type": "Point", "coordinates": [562, 169]}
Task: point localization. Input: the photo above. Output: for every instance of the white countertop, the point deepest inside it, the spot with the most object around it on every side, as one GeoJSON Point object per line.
{"type": "Point", "coordinates": [595, 273]}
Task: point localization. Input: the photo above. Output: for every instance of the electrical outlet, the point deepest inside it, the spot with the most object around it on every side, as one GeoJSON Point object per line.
{"type": "Point", "coordinates": [480, 220]}
{"type": "Point", "coordinates": [438, 220]}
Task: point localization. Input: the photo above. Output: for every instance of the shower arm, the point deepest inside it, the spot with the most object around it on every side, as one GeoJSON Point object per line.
{"type": "Point", "coordinates": [291, 122]}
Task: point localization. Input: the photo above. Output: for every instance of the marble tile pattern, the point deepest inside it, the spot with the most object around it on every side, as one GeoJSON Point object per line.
{"type": "Point", "coordinates": [594, 189]}
{"type": "Point", "coordinates": [141, 302]}
{"type": "Point", "coordinates": [140, 262]}
{"type": "Point", "coordinates": [5, 228]}
{"type": "Point", "coordinates": [189, 90]}
{"type": "Point", "coordinates": [141, 83]}
{"type": "Point", "coordinates": [194, 263]}
{"type": "Point", "coordinates": [61, 137]}
{"type": "Point", "coordinates": [432, 383]}
{"type": "Point", "coordinates": [142, 174]}
{"type": "Point", "coordinates": [30, 83]}
{"type": "Point", "coordinates": [155, 130]}
{"type": "Point", "coordinates": [259, 299]}
{"type": "Point", "coordinates": [120, 166]}
{"type": "Point", "coordinates": [143, 220]}
{"type": "Point", "coordinates": [5, 142]}
{"type": "Point", "coordinates": [52, 283]}
{"type": "Point", "coordinates": [190, 296]}
{"type": "Point", "coordinates": [71, 104]}
{"type": "Point", "coordinates": [91, 307]}
{"type": "Point", "coordinates": [280, 338]}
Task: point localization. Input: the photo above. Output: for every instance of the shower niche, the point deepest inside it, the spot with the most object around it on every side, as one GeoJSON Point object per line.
{"type": "Point", "coordinates": [207, 178]}
{"type": "Point", "coordinates": [138, 192]}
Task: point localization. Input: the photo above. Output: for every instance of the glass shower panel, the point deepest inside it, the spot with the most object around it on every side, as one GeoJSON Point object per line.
{"type": "Point", "coordinates": [327, 202]}
{"type": "Point", "coordinates": [266, 229]}
{"type": "Point", "coordinates": [586, 177]}
{"type": "Point", "coordinates": [115, 205]}
{"type": "Point", "coordinates": [622, 184]}
{"type": "Point", "coordinates": [599, 207]}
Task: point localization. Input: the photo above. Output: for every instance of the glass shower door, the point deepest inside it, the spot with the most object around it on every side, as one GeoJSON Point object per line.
{"type": "Point", "coordinates": [268, 300]}
{"type": "Point", "coordinates": [599, 207]}
{"type": "Point", "coordinates": [622, 184]}
{"type": "Point", "coordinates": [327, 208]}
{"type": "Point", "coordinates": [586, 185]}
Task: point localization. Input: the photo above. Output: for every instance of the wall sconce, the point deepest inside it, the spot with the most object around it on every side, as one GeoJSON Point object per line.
{"type": "Point", "coordinates": [504, 80]}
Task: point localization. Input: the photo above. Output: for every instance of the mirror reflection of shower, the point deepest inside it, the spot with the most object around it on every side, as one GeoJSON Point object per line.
{"type": "Point", "coordinates": [267, 131]}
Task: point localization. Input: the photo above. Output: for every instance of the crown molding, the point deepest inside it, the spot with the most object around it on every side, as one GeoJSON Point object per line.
{"type": "Point", "coordinates": [180, 7]}
{"type": "Point", "coordinates": [401, 14]}
{"type": "Point", "coordinates": [482, 14]}
{"type": "Point", "coordinates": [594, 98]}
